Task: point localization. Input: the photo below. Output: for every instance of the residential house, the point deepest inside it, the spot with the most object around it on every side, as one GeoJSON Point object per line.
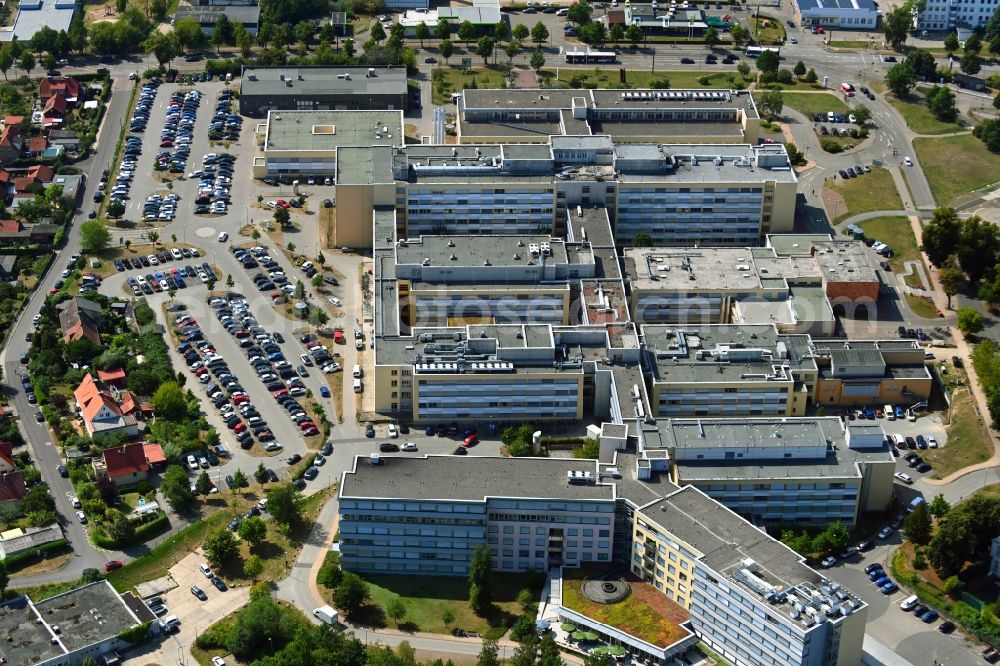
{"type": "Point", "coordinates": [7, 463]}
{"type": "Point", "coordinates": [12, 487]}
{"type": "Point", "coordinates": [114, 377]}
{"type": "Point", "coordinates": [52, 86]}
{"type": "Point", "coordinates": [130, 404]}
{"type": "Point", "coordinates": [36, 146]}
{"type": "Point", "coordinates": [19, 540]}
{"type": "Point", "coordinates": [80, 318]}
{"type": "Point", "coordinates": [65, 138]}
{"type": "Point", "coordinates": [31, 182]}
{"type": "Point", "coordinates": [11, 143]}
{"type": "Point", "coordinates": [100, 411]}
{"type": "Point", "coordinates": [54, 110]}
{"type": "Point", "coordinates": [123, 465]}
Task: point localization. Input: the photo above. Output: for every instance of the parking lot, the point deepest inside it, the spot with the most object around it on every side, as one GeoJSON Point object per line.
{"type": "Point", "coordinates": [927, 426]}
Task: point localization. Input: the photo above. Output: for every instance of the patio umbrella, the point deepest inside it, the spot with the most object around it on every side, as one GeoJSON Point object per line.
{"type": "Point", "coordinates": [590, 635]}
{"type": "Point", "coordinates": [604, 649]}
{"type": "Point", "coordinates": [617, 650]}
{"type": "Point", "coordinates": [579, 636]}
{"type": "Point", "coordinates": [567, 627]}
{"type": "Point", "coordinates": [543, 625]}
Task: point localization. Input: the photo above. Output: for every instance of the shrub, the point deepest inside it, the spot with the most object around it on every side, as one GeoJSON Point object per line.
{"type": "Point", "coordinates": [831, 146]}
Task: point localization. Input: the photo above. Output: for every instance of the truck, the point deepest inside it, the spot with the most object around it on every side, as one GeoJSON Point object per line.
{"type": "Point", "coordinates": [326, 614]}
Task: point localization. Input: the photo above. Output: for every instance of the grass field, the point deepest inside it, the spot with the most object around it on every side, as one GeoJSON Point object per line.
{"type": "Point", "coordinates": [850, 43]}
{"type": "Point", "coordinates": [809, 103]}
{"type": "Point", "coordinates": [967, 444]}
{"type": "Point", "coordinates": [956, 165]}
{"type": "Point", "coordinates": [918, 118]}
{"type": "Point", "coordinates": [768, 30]}
{"type": "Point", "coordinates": [453, 80]}
{"type": "Point", "coordinates": [922, 307]}
{"type": "Point", "coordinates": [426, 599]}
{"type": "Point", "coordinates": [608, 78]}
{"type": "Point", "coordinates": [870, 192]}
{"type": "Point", "coordinates": [895, 231]}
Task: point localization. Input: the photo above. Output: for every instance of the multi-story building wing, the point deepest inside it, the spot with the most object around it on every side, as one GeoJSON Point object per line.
{"type": "Point", "coordinates": [949, 15]}
{"type": "Point", "coordinates": [396, 518]}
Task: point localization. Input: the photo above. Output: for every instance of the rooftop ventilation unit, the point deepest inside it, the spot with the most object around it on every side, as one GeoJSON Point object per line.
{"type": "Point", "coordinates": [580, 478]}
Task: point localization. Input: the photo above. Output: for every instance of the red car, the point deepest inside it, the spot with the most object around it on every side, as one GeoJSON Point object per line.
{"type": "Point", "coordinates": [471, 440]}
{"type": "Point", "coordinates": [278, 394]}
{"type": "Point", "coordinates": [338, 337]}
{"type": "Point", "coordinates": [113, 564]}
{"type": "Point", "coordinates": [240, 427]}
{"type": "Point", "coordinates": [281, 203]}
{"type": "Point", "coordinates": [166, 143]}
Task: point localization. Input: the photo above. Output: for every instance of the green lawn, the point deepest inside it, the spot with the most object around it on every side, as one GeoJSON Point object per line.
{"type": "Point", "coordinates": [895, 231]}
{"type": "Point", "coordinates": [870, 192]}
{"type": "Point", "coordinates": [453, 79]}
{"type": "Point", "coordinates": [967, 443]}
{"type": "Point", "coordinates": [768, 30]}
{"type": "Point", "coordinates": [956, 165]}
{"type": "Point", "coordinates": [919, 118]}
{"type": "Point", "coordinates": [427, 597]}
{"type": "Point", "coordinates": [850, 43]}
{"type": "Point", "coordinates": [922, 307]}
{"type": "Point", "coordinates": [809, 103]}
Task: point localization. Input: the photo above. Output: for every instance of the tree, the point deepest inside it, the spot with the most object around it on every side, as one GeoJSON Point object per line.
{"type": "Point", "coordinates": [284, 504]}
{"type": "Point", "coordinates": [484, 49]}
{"type": "Point", "coordinates": [447, 49]}
{"type": "Point", "coordinates": [941, 235]}
{"type": "Point", "coordinates": [447, 616]}
{"type": "Point", "coordinates": [27, 62]}
{"type": "Point", "coordinates": [996, 101]}
{"type": "Point", "coordinates": [351, 594]}
{"type": "Point", "coordinates": [240, 479]}
{"type": "Point", "coordinates": [526, 600]}
{"type": "Point", "coordinates": [253, 567]}
{"type": "Point", "coordinates": [466, 32]}
{"type": "Point", "coordinates": [282, 217]}
{"type": "Point", "coordinates": [422, 32]}
{"type": "Point", "coordinates": [978, 247]}
{"type": "Point", "coordinates": [115, 209]}
{"type": "Point", "coordinates": [511, 50]}
{"type": "Point", "coordinates": [900, 79]}
{"type": "Point", "coordinates": [489, 654]}
{"type": "Point", "coordinates": [176, 488]}
{"type": "Point", "coordinates": [395, 610]}
{"type": "Point", "coordinates": [548, 651]}
{"type": "Point", "coordinates": [203, 485]}
{"type": "Point", "coordinates": [377, 32]}
{"type": "Point", "coordinates": [923, 63]}
{"type": "Point", "coordinates": [244, 40]}
{"type": "Point", "coordinates": [94, 236]}
{"type": "Point", "coordinates": [120, 528]}
{"type": "Point", "coordinates": [773, 102]}
{"type": "Point", "coordinates": [168, 401]}
{"type": "Point", "coordinates": [537, 60]}
{"type": "Point", "coordinates": [539, 33]}
{"type": "Point", "coordinates": [616, 33]}
{"type": "Point", "coordinates": [6, 59]}
{"type": "Point", "coordinates": [896, 26]}
{"type": "Point", "coordinates": [862, 114]}
{"type": "Point", "coordinates": [642, 239]}
{"type": "Point", "coordinates": [348, 48]}
{"type": "Point", "coordinates": [189, 34]}
{"type": "Point", "coordinates": [969, 321]}
{"type": "Point", "coordinates": [768, 62]}
{"type": "Point", "coordinates": [443, 29]}
{"type": "Point", "coordinates": [811, 76]}
{"type": "Point", "coordinates": [939, 506]}
{"type": "Point", "coordinates": [253, 530]}
{"type": "Point", "coordinates": [974, 44]}
{"type": "Point", "coordinates": [580, 12]}
{"type": "Point", "coordinates": [941, 104]}
{"type": "Point", "coordinates": [971, 63]}
{"type": "Point", "coordinates": [260, 476]}
{"type": "Point", "coordinates": [918, 524]}
{"type": "Point", "coordinates": [988, 132]}
{"type": "Point", "coordinates": [634, 35]}
{"type": "Point", "coordinates": [740, 35]}
{"type": "Point", "coordinates": [744, 70]}
{"type": "Point", "coordinates": [800, 69]}
{"type": "Point", "coordinates": [163, 45]}
{"type": "Point", "coordinates": [952, 278]}
{"type": "Point", "coordinates": [832, 539]}
{"type": "Point", "coordinates": [481, 579]}
{"type": "Point", "coordinates": [712, 38]}
{"type": "Point", "coordinates": [598, 659]}
{"type": "Point", "coordinates": [229, 281]}
{"type": "Point", "coordinates": [951, 43]}
{"type": "Point", "coordinates": [221, 547]}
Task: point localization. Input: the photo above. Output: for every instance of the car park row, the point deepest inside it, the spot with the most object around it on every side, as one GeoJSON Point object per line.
{"type": "Point", "coordinates": [178, 131]}
{"type": "Point", "coordinates": [214, 181]}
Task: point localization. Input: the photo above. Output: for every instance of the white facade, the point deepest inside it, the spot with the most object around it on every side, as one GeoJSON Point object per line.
{"type": "Point", "coordinates": [844, 14]}
{"type": "Point", "coordinates": [951, 14]}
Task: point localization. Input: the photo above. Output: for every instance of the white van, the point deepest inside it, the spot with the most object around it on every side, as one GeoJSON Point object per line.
{"type": "Point", "coordinates": [357, 371]}
{"type": "Point", "coordinates": [357, 386]}
{"type": "Point", "coordinates": [890, 413]}
{"type": "Point", "coordinates": [909, 602]}
{"type": "Point", "coordinates": [829, 116]}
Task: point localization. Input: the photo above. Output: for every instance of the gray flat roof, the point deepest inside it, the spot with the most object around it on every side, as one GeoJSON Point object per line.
{"type": "Point", "coordinates": [664, 129]}
{"type": "Point", "coordinates": [611, 98]}
{"type": "Point", "coordinates": [794, 244]}
{"type": "Point", "coordinates": [710, 163]}
{"type": "Point", "coordinates": [475, 250]}
{"type": "Point", "coordinates": [364, 165]}
{"type": "Point", "coordinates": [818, 5]}
{"type": "Point", "coordinates": [470, 478]}
{"type": "Point", "coordinates": [725, 539]}
{"type": "Point", "coordinates": [24, 640]}
{"type": "Point", "coordinates": [320, 81]}
{"type": "Point", "coordinates": [87, 615]}
{"type": "Point", "coordinates": [210, 14]}
{"type": "Point", "coordinates": [55, 14]}
{"type": "Point", "coordinates": [733, 352]}
{"type": "Point", "coordinates": [715, 269]}
{"type": "Point", "coordinates": [845, 261]}
{"type": "Point", "coordinates": [328, 130]}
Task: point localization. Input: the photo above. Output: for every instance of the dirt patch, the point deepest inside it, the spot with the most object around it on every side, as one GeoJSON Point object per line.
{"type": "Point", "coordinates": [525, 78]}
{"type": "Point", "coordinates": [834, 202]}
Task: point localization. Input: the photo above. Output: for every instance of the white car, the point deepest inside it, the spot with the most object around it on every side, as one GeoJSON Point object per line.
{"type": "Point", "coordinates": [272, 204]}
{"type": "Point", "coordinates": [75, 501]}
{"type": "Point", "coordinates": [409, 446]}
{"type": "Point", "coordinates": [223, 237]}
{"type": "Point", "coordinates": [330, 368]}
{"type": "Point", "coordinates": [907, 161]}
{"type": "Point", "coordinates": [932, 442]}
{"type": "Point", "coordinates": [273, 446]}
{"type": "Point", "coordinates": [905, 478]}
{"type": "Point", "coordinates": [336, 301]}
{"type": "Point", "coordinates": [82, 517]}
{"type": "Point", "coordinates": [218, 661]}
{"type": "Point", "coordinates": [192, 462]}
{"type": "Point", "coordinates": [828, 562]}
{"type": "Point", "coordinates": [393, 433]}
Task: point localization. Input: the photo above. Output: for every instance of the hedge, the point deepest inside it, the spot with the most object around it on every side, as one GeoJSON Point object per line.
{"type": "Point", "coordinates": [143, 532]}
{"type": "Point", "coordinates": [31, 553]}
{"type": "Point", "coordinates": [135, 635]}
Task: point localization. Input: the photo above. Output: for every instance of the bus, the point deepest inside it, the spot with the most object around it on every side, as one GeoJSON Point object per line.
{"type": "Point", "coordinates": [588, 56]}
{"type": "Point", "coordinates": [755, 51]}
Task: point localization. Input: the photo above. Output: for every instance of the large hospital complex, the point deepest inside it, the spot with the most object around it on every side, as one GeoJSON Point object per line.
{"type": "Point", "coordinates": [627, 260]}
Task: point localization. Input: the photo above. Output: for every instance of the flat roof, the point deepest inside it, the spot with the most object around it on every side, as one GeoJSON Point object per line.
{"type": "Point", "coordinates": [708, 163]}
{"type": "Point", "coordinates": [819, 5]}
{"type": "Point", "coordinates": [23, 639]}
{"type": "Point", "coordinates": [55, 14]}
{"type": "Point", "coordinates": [724, 539]}
{"type": "Point", "coordinates": [606, 98]}
{"type": "Point", "coordinates": [745, 353]}
{"type": "Point", "coordinates": [716, 269]}
{"type": "Point", "coordinates": [471, 478]}
{"type": "Point", "coordinates": [328, 130]}
{"type": "Point", "coordinates": [845, 261]}
{"type": "Point", "coordinates": [809, 303]}
{"type": "Point", "coordinates": [795, 244]}
{"type": "Point", "coordinates": [87, 615]}
{"type": "Point", "coordinates": [321, 81]}
{"type": "Point", "coordinates": [210, 14]}
{"type": "Point", "coordinates": [498, 250]}
{"type": "Point", "coordinates": [364, 165]}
